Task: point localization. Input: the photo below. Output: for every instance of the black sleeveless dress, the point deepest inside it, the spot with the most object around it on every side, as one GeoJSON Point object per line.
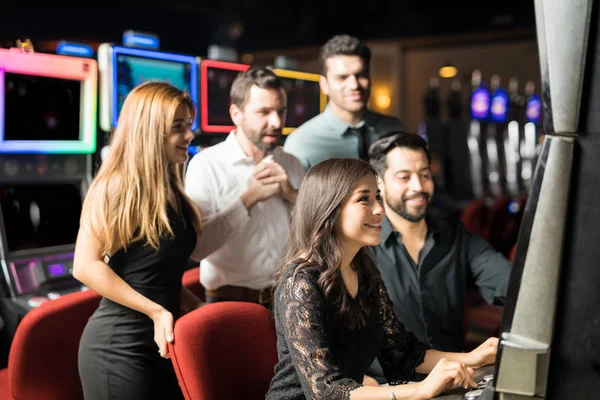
{"type": "Point", "coordinates": [118, 358]}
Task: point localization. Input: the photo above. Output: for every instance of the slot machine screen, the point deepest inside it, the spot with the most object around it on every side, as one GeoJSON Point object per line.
{"type": "Point", "coordinates": [48, 103]}
{"type": "Point", "coordinates": [37, 216]}
{"type": "Point", "coordinates": [30, 115]}
{"type": "Point", "coordinates": [216, 80]}
{"type": "Point", "coordinates": [134, 70]}
{"type": "Point", "coordinates": [304, 97]}
{"type": "Point", "coordinates": [303, 101]}
{"type": "Point", "coordinates": [219, 88]}
{"type": "Point", "coordinates": [124, 68]}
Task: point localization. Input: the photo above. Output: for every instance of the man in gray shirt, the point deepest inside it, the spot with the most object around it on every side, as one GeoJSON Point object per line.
{"type": "Point", "coordinates": [426, 261]}
{"type": "Point", "coordinates": [346, 128]}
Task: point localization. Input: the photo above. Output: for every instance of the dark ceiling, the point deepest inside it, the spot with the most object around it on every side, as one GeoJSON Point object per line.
{"type": "Point", "coordinates": [191, 25]}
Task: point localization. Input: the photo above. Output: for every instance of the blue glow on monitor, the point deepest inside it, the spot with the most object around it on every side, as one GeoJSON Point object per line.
{"type": "Point", "coordinates": [74, 49]}
{"type": "Point", "coordinates": [499, 106]}
{"type": "Point", "coordinates": [533, 110]}
{"type": "Point", "coordinates": [132, 67]}
{"type": "Point", "coordinates": [480, 104]}
{"type": "Point", "coordinates": [138, 39]}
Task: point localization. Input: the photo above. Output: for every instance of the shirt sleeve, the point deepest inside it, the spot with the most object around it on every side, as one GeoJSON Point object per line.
{"type": "Point", "coordinates": [302, 314]}
{"type": "Point", "coordinates": [219, 221]}
{"type": "Point", "coordinates": [293, 145]}
{"type": "Point", "coordinates": [401, 351]}
{"type": "Point", "coordinates": [296, 172]}
{"type": "Point", "coordinates": [490, 269]}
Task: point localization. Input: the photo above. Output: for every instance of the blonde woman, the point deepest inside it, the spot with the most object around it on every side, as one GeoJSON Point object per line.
{"type": "Point", "coordinates": [138, 229]}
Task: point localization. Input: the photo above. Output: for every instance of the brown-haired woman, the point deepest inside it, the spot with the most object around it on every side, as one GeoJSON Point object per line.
{"type": "Point", "coordinates": [332, 312]}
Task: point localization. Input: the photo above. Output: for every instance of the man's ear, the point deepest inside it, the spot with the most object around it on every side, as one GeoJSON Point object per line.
{"type": "Point", "coordinates": [236, 114]}
{"type": "Point", "coordinates": [324, 85]}
{"type": "Point", "coordinates": [381, 186]}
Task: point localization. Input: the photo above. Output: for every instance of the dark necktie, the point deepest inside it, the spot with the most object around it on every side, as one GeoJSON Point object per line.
{"type": "Point", "coordinates": [363, 145]}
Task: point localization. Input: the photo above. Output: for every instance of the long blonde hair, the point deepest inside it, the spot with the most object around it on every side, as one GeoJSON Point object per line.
{"type": "Point", "coordinates": [127, 200]}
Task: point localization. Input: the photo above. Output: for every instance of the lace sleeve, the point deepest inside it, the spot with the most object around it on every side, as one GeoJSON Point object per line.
{"type": "Point", "coordinates": [301, 307]}
{"type": "Point", "coordinates": [401, 351]}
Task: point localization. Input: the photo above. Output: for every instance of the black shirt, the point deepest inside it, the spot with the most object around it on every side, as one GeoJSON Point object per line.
{"type": "Point", "coordinates": [319, 356]}
{"type": "Point", "coordinates": [428, 297]}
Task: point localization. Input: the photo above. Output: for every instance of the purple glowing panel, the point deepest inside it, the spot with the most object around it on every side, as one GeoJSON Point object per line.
{"type": "Point", "coordinates": [480, 104]}
{"type": "Point", "coordinates": [56, 269]}
{"type": "Point", "coordinates": [533, 111]}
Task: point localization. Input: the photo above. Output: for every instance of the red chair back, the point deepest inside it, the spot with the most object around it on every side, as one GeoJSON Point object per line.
{"type": "Point", "coordinates": [474, 217]}
{"type": "Point", "coordinates": [224, 350]}
{"type": "Point", "coordinates": [42, 363]}
{"type": "Point", "coordinates": [191, 280]}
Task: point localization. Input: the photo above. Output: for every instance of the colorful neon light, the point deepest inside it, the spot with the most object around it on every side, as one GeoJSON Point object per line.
{"type": "Point", "coordinates": [74, 49]}
{"type": "Point", "coordinates": [204, 66]}
{"type": "Point", "coordinates": [305, 76]}
{"type": "Point", "coordinates": [60, 67]}
{"type": "Point", "coordinates": [139, 39]}
{"type": "Point", "coordinates": [151, 54]}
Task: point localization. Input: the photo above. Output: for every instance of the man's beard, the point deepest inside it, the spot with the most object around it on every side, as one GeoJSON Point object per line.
{"type": "Point", "coordinates": [400, 207]}
{"type": "Point", "coordinates": [256, 138]}
{"type": "Point", "coordinates": [258, 142]}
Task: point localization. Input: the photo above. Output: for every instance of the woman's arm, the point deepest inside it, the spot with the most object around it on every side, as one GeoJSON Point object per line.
{"type": "Point", "coordinates": [485, 354]}
{"type": "Point", "coordinates": [402, 355]}
{"type": "Point", "coordinates": [90, 269]}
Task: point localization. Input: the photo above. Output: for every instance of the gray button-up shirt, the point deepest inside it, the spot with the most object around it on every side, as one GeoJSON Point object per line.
{"type": "Point", "coordinates": [429, 297]}
{"type": "Point", "coordinates": [326, 136]}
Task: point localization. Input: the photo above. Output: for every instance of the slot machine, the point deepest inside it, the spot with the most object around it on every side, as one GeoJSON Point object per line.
{"type": "Point", "coordinates": [48, 111]}
{"type": "Point", "coordinates": [123, 67]}
{"type": "Point", "coordinates": [216, 78]}
{"type": "Point", "coordinates": [479, 111]}
{"type": "Point", "coordinates": [305, 99]}
{"type": "Point", "coordinates": [548, 338]}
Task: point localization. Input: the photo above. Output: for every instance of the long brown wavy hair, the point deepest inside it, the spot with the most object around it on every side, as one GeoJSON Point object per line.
{"type": "Point", "coordinates": [313, 240]}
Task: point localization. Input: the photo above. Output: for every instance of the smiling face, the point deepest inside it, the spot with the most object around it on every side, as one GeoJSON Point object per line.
{"type": "Point", "coordinates": [361, 215]}
{"type": "Point", "coordinates": [347, 83]}
{"type": "Point", "coordinates": [180, 136]}
{"type": "Point", "coordinates": [407, 185]}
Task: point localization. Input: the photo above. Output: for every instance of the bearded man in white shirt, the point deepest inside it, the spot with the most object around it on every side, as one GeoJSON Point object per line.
{"type": "Point", "coordinates": [251, 181]}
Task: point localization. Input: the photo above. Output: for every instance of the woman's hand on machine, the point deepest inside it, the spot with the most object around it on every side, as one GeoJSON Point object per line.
{"type": "Point", "coordinates": [444, 376]}
{"type": "Point", "coordinates": [483, 355]}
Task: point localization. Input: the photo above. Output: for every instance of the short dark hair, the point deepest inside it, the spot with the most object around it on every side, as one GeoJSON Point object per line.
{"type": "Point", "coordinates": [344, 45]}
{"type": "Point", "coordinates": [264, 78]}
{"type": "Point", "coordinates": [383, 145]}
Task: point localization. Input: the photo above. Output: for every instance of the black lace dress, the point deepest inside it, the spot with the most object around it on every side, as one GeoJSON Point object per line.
{"type": "Point", "coordinates": [320, 357]}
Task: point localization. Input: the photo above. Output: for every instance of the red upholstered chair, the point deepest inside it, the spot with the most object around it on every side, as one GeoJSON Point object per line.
{"type": "Point", "coordinates": [191, 280]}
{"type": "Point", "coordinates": [225, 350]}
{"type": "Point", "coordinates": [474, 216]}
{"type": "Point", "coordinates": [513, 252]}
{"type": "Point", "coordinates": [42, 362]}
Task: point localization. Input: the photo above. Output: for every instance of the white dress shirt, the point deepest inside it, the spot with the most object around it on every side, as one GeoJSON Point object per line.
{"type": "Point", "coordinates": [215, 179]}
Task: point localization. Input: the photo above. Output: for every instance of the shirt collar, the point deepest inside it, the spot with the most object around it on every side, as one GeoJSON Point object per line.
{"type": "Point", "coordinates": [234, 153]}
{"type": "Point", "coordinates": [387, 230]}
{"type": "Point", "coordinates": [340, 126]}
